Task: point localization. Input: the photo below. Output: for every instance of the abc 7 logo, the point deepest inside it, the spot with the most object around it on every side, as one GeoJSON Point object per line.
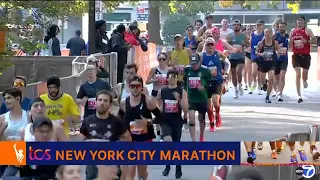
{"type": "Point", "coordinates": [307, 171]}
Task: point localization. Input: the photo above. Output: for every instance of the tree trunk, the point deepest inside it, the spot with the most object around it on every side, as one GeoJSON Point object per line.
{"type": "Point", "coordinates": [154, 24]}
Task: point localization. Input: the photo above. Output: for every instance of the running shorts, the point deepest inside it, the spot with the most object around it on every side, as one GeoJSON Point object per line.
{"type": "Point", "coordinates": [215, 87]}
{"type": "Point", "coordinates": [201, 107]}
{"type": "Point", "coordinates": [173, 130]}
{"type": "Point", "coordinates": [248, 55]}
{"type": "Point", "coordinates": [266, 66]}
{"type": "Point", "coordinates": [280, 65]}
{"type": "Point", "coordinates": [236, 62]}
{"type": "Point", "coordinates": [154, 93]}
{"type": "Point", "coordinates": [256, 60]}
{"type": "Point", "coordinates": [301, 60]}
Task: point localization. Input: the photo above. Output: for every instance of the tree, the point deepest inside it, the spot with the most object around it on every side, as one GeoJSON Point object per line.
{"type": "Point", "coordinates": [171, 27]}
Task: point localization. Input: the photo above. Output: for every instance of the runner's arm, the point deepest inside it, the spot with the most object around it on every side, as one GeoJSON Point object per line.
{"type": "Point", "coordinates": [123, 131]}
{"type": "Point", "coordinates": [159, 100]}
{"type": "Point", "coordinates": [145, 91]}
{"type": "Point", "coordinates": [259, 46]}
{"type": "Point", "coordinates": [122, 109]}
{"type": "Point", "coordinates": [200, 47]}
{"type": "Point", "coordinates": [3, 126]}
{"type": "Point", "coordinates": [227, 65]}
{"type": "Point", "coordinates": [313, 39]}
{"type": "Point", "coordinates": [290, 44]}
{"type": "Point", "coordinates": [150, 78]}
{"type": "Point", "coordinates": [277, 47]}
{"type": "Point", "coordinates": [184, 102]}
{"type": "Point", "coordinates": [74, 110]}
{"type": "Point", "coordinates": [117, 91]}
{"type": "Point", "coordinates": [230, 48]}
{"type": "Point", "coordinates": [246, 42]}
{"type": "Point", "coordinates": [81, 96]}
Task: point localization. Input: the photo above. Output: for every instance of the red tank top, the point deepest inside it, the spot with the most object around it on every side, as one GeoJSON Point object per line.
{"type": "Point", "coordinates": [219, 46]}
{"type": "Point", "coordinates": [298, 46]}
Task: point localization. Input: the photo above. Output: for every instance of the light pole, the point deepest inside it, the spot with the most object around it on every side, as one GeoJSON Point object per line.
{"type": "Point", "coordinates": [92, 27]}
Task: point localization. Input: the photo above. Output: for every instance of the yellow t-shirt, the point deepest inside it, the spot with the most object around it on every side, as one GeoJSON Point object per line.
{"type": "Point", "coordinates": [62, 108]}
{"type": "Point", "coordinates": [181, 57]}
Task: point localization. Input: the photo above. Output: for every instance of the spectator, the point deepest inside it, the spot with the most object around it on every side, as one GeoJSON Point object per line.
{"type": "Point", "coordinates": [76, 45]}
{"type": "Point", "coordinates": [52, 42]}
{"type": "Point", "coordinates": [102, 39]}
{"type": "Point", "coordinates": [119, 45]}
{"type": "Point", "coordinates": [131, 34]}
{"type": "Point", "coordinates": [102, 73]}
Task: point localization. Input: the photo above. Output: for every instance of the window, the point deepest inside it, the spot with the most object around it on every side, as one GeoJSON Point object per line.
{"type": "Point", "coordinates": [117, 17]}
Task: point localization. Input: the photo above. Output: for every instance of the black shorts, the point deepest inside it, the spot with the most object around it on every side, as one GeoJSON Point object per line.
{"type": "Point", "coordinates": [236, 62]}
{"type": "Point", "coordinates": [154, 93]}
{"type": "Point", "coordinates": [173, 130]}
{"type": "Point", "coordinates": [256, 60]}
{"type": "Point", "coordinates": [301, 60]}
{"type": "Point", "coordinates": [201, 107]}
{"type": "Point", "coordinates": [248, 55]}
{"type": "Point", "coordinates": [265, 66]}
{"type": "Point", "coordinates": [215, 87]}
{"type": "Point", "coordinates": [280, 65]}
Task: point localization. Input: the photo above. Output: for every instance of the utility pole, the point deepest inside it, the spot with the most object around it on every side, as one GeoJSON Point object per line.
{"type": "Point", "coordinates": [92, 28]}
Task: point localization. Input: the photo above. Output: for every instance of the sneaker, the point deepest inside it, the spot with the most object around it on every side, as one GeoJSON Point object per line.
{"type": "Point", "coordinates": [274, 94]}
{"type": "Point", "coordinates": [236, 94]}
{"type": "Point", "coordinates": [212, 128]}
{"type": "Point", "coordinates": [280, 98]}
{"type": "Point", "coordinates": [300, 100]}
{"type": "Point", "coordinates": [274, 154]}
{"type": "Point", "coordinates": [267, 100]}
{"type": "Point", "coordinates": [245, 87]}
{"type": "Point", "coordinates": [303, 155]}
{"type": "Point", "coordinates": [293, 158]}
{"type": "Point", "coordinates": [178, 172]}
{"type": "Point", "coordinates": [259, 92]}
{"type": "Point", "coordinates": [305, 84]}
{"type": "Point", "coordinates": [186, 126]}
{"type": "Point", "coordinates": [241, 91]}
{"type": "Point", "coordinates": [260, 145]}
{"type": "Point", "coordinates": [253, 86]}
{"type": "Point", "coordinates": [315, 155]}
{"type": "Point", "coordinates": [250, 158]}
{"type": "Point", "coordinates": [265, 87]}
{"type": "Point", "coordinates": [218, 120]}
{"type": "Point", "coordinates": [201, 139]}
{"type": "Point", "coordinates": [254, 154]}
{"type": "Point", "coordinates": [166, 171]}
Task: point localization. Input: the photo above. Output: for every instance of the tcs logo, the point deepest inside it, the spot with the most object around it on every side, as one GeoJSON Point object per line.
{"type": "Point", "coordinates": [39, 154]}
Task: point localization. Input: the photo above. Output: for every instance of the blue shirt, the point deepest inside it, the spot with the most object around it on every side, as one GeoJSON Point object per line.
{"type": "Point", "coordinates": [284, 41]}
{"type": "Point", "coordinates": [192, 44]}
{"type": "Point", "coordinates": [25, 104]}
{"type": "Point", "coordinates": [211, 61]}
{"type": "Point", "coordinates": [255, 39]}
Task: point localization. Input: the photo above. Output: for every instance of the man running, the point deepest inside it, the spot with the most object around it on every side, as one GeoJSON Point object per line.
{"type": "Point", "coordinates": [197, 24]}
{"type": "Point", "coordinates": [239, 40]}
{"type": "Point", "coordinates": [136, 110]}
{"type": "Point", "coordinates": [256, 37]}
{"type": "Point", "coordinates": [88, 90]}
{"type": "Point", "coordinates": [207, 34]}
{"type": "Point", "coordinates": [217, 66]}
{"type": "Point", "coordinates": [191, 41]}
{"type": "Point", "coordinates": [158, 77]}
{"type": "Point", "coordinates": [172, 101]}
{"type": "Point", "coordinates": [301, 37]}
{"type": "Point", "coordinates": [197, 79]}
{"type": "Point", "coordinates": [282, 61]}
{"type": "Point", "coordinates": [20, 83]}
{"type": "Point", "coordinates": [267, 49]}
{"type": "Point", "coordinates": [61, 107]}
{"type": "Point", "coordinates": [209, 25]}
{"type": "Point", "coordinates": [225, 31]}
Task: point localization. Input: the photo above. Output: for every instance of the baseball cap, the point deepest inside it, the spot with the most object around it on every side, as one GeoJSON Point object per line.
{"type": "Point", "coordinates": [177, 36]}
{"type": "Point", "coordinates": [236, 21]}
{"type": "Point", "coordinates": [215, 30]}
{"type": "Point", "coordinates": [91, 59]}
{"type": "Point", "coordinates": [194, 59]}
{"type": "Point", "coordinates": [40, 122]}
{"type": "Point", "coordinates": [260, 21]}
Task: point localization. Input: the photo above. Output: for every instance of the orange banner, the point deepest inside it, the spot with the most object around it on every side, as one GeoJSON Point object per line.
{"type": "Point", "coordinates": [14, 153]}
{"type": "Point", "coordinates": [145, 60]}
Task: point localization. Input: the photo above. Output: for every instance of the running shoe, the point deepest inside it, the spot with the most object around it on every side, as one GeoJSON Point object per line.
{"type": "Point", "coordinates": [267, 100]}
{"type": "Point", "coordinates": [178, 172]}
{"type": "Point", "coordinates": [166, 171]}
{"type": "Point", "coordinates": [254, 153]}
{"type": "Point", "coordinates": [250, 158]}
{"type": "Point", "coordinates": [218, 120]}
{"type": "Point", "coordinates": [293, 158]}
{"type": "Point", "coordinates": [265, 87]}
{"type": "Point", "coordinates": [302, 155]}
{"type": "Point", "coordinates": [241, 90]}
{"type": "Point", "coordinates": [280, 98]}
{"type": "Point", "coordinates": [186, 126]}
{"type": "Point", "coordinates": [300, 100]}
{"type": "Point", "coordinates": [274, 94]}
{"type": "Point", "coordinates": [236, 94]}
{"type": "Point", "coordinates": [212, 128]}
{"type": "Point", "coordinates": [245, 87]}
{"type": "Point", "coordinates": [260, 145]}
{"type": "Point", "coordinates": [305, 84]}
{"type": "Point", "coordinates": [315, 154]}
{"type": "Point", "coordinates": [259, 91]}
{"type": "Point", "coordinates": [274, 154]}
{"type": "Point", "coordinates": [253, 86]}
{"type": "Point", "coordinates": [201, 139]}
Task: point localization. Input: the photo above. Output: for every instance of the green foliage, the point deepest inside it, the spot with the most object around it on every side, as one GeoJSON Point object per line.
{"type": "Point", "coordinates": [174, 24]}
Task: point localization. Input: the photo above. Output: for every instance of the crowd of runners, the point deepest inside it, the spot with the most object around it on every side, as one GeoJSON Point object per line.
{"type": "Point", "coordinates": [190, 78]}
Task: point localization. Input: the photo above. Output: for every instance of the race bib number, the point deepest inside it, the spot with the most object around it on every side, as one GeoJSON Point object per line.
{"type": "Point", "coordinates": [161, 79]}
{"type": "Point", "coordinates": [213, 70]}
{"type": "Point", "coordinates": [298, 44]}
{"type": "Point", "coordinates": [283, 51]}
{"type": "Point", "coordinates": [135, 129]}
{"type": "Point", "coordinates": [179, 69]}
{"type": "Point", "coordinates": [92, 103]}
{"type": "Point", "coordinates": [171, 106]}
{"type": "Point", "coordinates": [194, 82]}
{"type": "Point", "coordinates": [268, 56]}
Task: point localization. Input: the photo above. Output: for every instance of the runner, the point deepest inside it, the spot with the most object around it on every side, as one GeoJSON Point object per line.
{"type": "Point", "coordinates": [88, 90]}
{"type": "Point", "coordinates": [267, 49]}
{"type": "Point", "coordinates": [238, 40]}
{"type": "Point", "coordinates": [300, 38]}
{"type": "Point", "coordinates": [172, 101]}
{"type": "Point", "coordinates": [198, 24]}
{"type": "Point", "coordinates": [191, 41]}
{"type": "Point", "coordinates": [247, 73]}
{"type": "Point", "coordinates": [210, 58]}
{"type": "Point", "coordinates": [251, 153]}
{"type": "Point", "coordinates": [207, 33]}
{"type": "Point", "coordinates": [209, 25]}
{"type": "Point", "coordinates": [303, 157]}
{"type": "Point", "coordinates": [256, 37]}
{"type": "Point", "coordinates": [61, 107]}
{"type": "Point", "coordinates": [197, 79]}
{"type": "Point", "coordinates": [179, 57]}
{"type": "Point", "coordinates": [282, 62]}
{"type": "Point", "coordinates": [225, 31]}
{"type": "Point", "coordinates": [158, 77]}
{"type": "Point", "coordinates": [20, 83]}
{"type": "Point", "coordinates": [137, 110]}
{"type": "Point", "coordinates": [38, 110]}
{"type": "Point", "coordinates": [103, 125]}
{"type": "Point", "coordinates": [15, 120]}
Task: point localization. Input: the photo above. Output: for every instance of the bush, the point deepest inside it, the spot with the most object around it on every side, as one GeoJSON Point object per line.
{"type": "Point", "coordinates": [174, 24]}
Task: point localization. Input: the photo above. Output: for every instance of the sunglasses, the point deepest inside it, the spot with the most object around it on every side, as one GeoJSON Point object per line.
{"type": "Point", "coordinates": [162, 59]}
{"type": "Point", "coordinates": [173, 76]}
{"type": "Point", "coordinates": [135, 86]}
{"type": "Point", "coordinates": [19, 84]}
{"type": "Point", "coordinates": [210, 44]}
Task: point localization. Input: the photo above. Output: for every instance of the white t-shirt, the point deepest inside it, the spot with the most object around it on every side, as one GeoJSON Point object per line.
{"type": "Point", "coordinates": [224, 34]}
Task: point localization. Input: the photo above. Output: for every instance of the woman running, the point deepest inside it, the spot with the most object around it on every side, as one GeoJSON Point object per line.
{"type": "Point", "coordinates": [247, 73]}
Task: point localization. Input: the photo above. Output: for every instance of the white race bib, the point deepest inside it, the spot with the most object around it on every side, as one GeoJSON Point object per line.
{"type": "Point", "coordinates": [92, 103]}
{"type": "Point", "coordinates": [171, 106]}
{"type": "Point", "coordinates": [161, 79]}
{"type": "Point", "coordinates": [194, 82]}
{"type": "Point", "coordinates": [298, 44]}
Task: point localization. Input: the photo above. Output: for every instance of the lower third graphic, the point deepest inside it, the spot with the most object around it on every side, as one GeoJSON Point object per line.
{"type": "Point", "coordinates": [19, 153]}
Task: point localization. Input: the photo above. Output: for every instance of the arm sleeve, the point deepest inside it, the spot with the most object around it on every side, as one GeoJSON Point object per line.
{"type": "Point", "coordinates": [81, 93]}
{"type": "Point", "coordinates": [56, 47]}
{"type": "Point", "coordinates": [73, 107]}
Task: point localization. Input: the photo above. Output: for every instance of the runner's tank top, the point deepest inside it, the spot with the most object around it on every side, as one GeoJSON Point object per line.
{"type": "Point", "coordinates": [28, 137]}
{"type": "Point", "coordinates": [214, 64]}
{"type": "Point", "coordinates": [284, 41]}
{"type": "Point", "coordinates": [219, 46]}
{"type": "Point", "coordinates": [133, 113]}
{"type": "Point", "coordinates": [255, 39]}
{"type": "Point", "coordinates": [14, 127]}
{"type": "Point", "coordinates": [161, 76]}
{"type": "Point", "coordinates": [299, 47]}
{"type": "Point", "coordinates": [269, 52]}
{"type": "Point", "coordinates": [237, 40]}
{"type": "Point", "coordinates": [171, 106]}
{"type": "Point", "coordinates": [192, 44]}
